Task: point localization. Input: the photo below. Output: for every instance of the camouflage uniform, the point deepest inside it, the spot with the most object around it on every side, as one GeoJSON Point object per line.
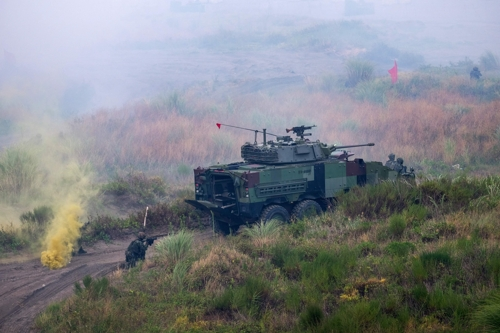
{"type": "Point", "coordinates": [136, 250]}
{"type": "Point", "coordinates": [399, 166]}
{"type": "Point", "coordinates": [475, 74]}
{"type": "Point", "coordinates": [391, 163]}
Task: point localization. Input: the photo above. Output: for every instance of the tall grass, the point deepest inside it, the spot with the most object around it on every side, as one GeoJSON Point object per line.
{"type": "Point", "coordinates": [422, 117]}
{"type": "Point", "coordinates": [358, 71]}
{"type": "Point", "coordinates": [176, 247]}
{"type": "Point", "coordinates": [487, 315]}
{"type": "Point", "coordinates": [263, 233]}
{"type": "Point", "coordinates": [19, 172]}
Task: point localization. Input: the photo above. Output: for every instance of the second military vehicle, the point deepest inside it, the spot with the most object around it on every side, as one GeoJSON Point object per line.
{"type": "Point", "coordinates": [283, 179]}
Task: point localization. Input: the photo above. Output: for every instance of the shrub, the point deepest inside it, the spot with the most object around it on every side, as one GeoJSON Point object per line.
{"type": "Point", "coordinates": [432, 259]}
{"type": "Point", "coordinates": [328, 268]}
{"type": "Point", "coordinates": [397, 225]}
{"type": "Point", "coordinates": [418, 85]}
{"type": "Point", "coordinates": [311, 317]}
{"type": "Point", "coordinates": [377, 201]}
{"type": "Point", "coordinates": [93, 289]}
{"type": "Point", "coordinates": [372, 91]}
{"type": "Point", "coordinates": [11, 240]}
{"type": "Point", "coordinates": [19, 172]}
{"type": "Point", "coordinates": [400, 249]}
{"type": "Point", "coordinates": [174, 248]}
{"type": "Point", "coordinates": [263, 233]}
{"type": "Point", "coordinates": [288, 259]}
{"type": "Point", "coordinates": [252, 296]}
{"type": "Point", "coordinates": [138, 188]}
{"type": "Point", "coordinates": [221, 267]}
{"type": "Point", "coordinates": [487, 315]}
{"type": "Point", "coordinates": [249, 298]}
{"type": "Point", "coordinates": [358, 71]}
{"type": "Point", "coordinates": [297, 228]}
{"type": "Point", "coordinates": [176, 215]}
{"type": "Point", "coordinates": [363, 316]}
{"type": "Point", "coordinates": [34, 223]}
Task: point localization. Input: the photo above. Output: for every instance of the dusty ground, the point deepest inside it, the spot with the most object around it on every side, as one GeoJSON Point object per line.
{"type": "Point", "coordinates": [27, 287]}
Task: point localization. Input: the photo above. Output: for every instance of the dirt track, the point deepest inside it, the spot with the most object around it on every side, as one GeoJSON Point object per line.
{"type": "Point", "coordinates": [27, 288]}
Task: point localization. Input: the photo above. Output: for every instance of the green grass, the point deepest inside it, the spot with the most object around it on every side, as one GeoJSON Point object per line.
{"type": "Point", "coordinates": [329, 278]}
{"type": "Point", "coordinates": [175, 247]}
{"type": "Point", "coordinates": [136, 187]}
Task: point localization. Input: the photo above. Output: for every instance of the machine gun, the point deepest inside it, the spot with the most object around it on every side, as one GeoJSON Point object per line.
{"type": "Point", "coordinates": [299, 130]}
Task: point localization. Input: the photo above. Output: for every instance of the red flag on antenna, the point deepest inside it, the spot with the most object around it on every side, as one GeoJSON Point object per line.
{"type": "Point", "coordinates": [394, 72]}
{"type": "Point", "coordinates": [218, 125]}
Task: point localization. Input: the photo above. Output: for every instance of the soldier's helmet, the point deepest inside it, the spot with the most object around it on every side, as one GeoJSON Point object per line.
{"type": "Point", "coordinates": [141, 235]}
{"type": "Point", "coordinates": [475, 69]}
{"type": "Point", "coordinates": [391, 156]}
{"type": "Point", "coordinates": [400, 160]}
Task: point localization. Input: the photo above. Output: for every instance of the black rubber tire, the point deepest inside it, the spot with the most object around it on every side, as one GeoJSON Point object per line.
{"type": "Point", "coordinates": [306, 208]}
{"type": "Point", "coordinates": [275, 212]}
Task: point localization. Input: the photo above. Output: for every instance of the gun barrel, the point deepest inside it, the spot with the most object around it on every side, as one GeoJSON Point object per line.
{"type": "Point", "coordinates": [333, 148]}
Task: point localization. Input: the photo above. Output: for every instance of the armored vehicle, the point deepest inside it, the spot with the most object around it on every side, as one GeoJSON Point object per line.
{"type": "Point", "coordinates": [283, 179]}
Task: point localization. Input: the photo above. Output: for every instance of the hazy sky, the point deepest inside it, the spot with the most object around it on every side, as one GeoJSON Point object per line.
{"type": "Point", "coordinates": [64, 34]}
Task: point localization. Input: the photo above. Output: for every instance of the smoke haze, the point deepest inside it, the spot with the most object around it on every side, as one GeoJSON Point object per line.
{"type": "Point", "coordinates": [111, 52]}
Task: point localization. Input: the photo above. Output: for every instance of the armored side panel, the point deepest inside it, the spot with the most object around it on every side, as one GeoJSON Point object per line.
{"type": "Point", "coordinates": [283, 153]}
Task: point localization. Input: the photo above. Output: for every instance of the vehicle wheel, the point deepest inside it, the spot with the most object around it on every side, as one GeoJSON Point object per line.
{"type": "Point", "coordinates": [306, 208]}
{"type": "Point", "coordinates": [275, 212]}
{"type": "Point", "coordinates": [328, 204]}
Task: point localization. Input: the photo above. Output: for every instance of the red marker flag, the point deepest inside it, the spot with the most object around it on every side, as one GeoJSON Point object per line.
{"type": "Point", "coordinates": [394, 72]}
{"type": "Point", "coordinates": [218, 125]}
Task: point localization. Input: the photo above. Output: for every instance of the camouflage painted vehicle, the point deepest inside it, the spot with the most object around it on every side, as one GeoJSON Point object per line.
{"type": "Point", "coordinates": [283, 179]}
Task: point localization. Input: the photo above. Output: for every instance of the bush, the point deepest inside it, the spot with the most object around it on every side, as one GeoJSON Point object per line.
{"type": "Point", "coordinates": [34, 223]}
{"type": "Point", "coordinates": [19, 172]}
{"type": "Point", "coordinates": [311, 317]}
{"type": "Point", "coordinates": [418, 85]}
{"type": "Point", "coordinates": [487, 315]}
{"type": "Point", "coordinates": [288, 259]}
{"type": "Point", "coordinates": [397, 225]}
{"type": "Point", "coordinates": [400, 249]}
{"type": "Point", "coordinates": [328, 268]}
{"type": "Point", "coordinates": [377, 201]}
{"type": "Point", "coordinates": [372, 91]}
{"type": "Point", "coordinates": [432, 259]}
{"type": "Point", "coordinates": [263, 233]}
{"type": "Point", "coordinates": [11, 240]}
{"type": "Point", "coordinates": [358, 71]}
{"type": "Point", "coordinates": [221, 267]}
{"type": "Point", "coordinates": [137, 187]}
{"type": "Point", "coordinates": [174, 248]}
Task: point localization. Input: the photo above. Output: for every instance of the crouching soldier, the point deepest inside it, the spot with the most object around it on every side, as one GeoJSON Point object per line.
{"type": "Point", "coordinates": [137, 250]}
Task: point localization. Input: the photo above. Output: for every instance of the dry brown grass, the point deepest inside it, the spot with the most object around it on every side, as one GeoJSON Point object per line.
{"type": "Point", "coordinates": [221, 267]}
{"type": "Point", "coordinates": [152, 139]}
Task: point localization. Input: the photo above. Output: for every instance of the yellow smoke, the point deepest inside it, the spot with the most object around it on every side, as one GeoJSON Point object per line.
{"type": "Point", "coordinates": [62, 236]}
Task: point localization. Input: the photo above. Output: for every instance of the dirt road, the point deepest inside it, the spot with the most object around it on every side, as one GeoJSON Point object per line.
{"type": "Point", "coordinates": [27, 287]}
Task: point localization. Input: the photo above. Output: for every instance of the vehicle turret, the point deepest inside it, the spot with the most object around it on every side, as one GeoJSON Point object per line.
{"type": "Point", "coordinates": [286, 150]}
